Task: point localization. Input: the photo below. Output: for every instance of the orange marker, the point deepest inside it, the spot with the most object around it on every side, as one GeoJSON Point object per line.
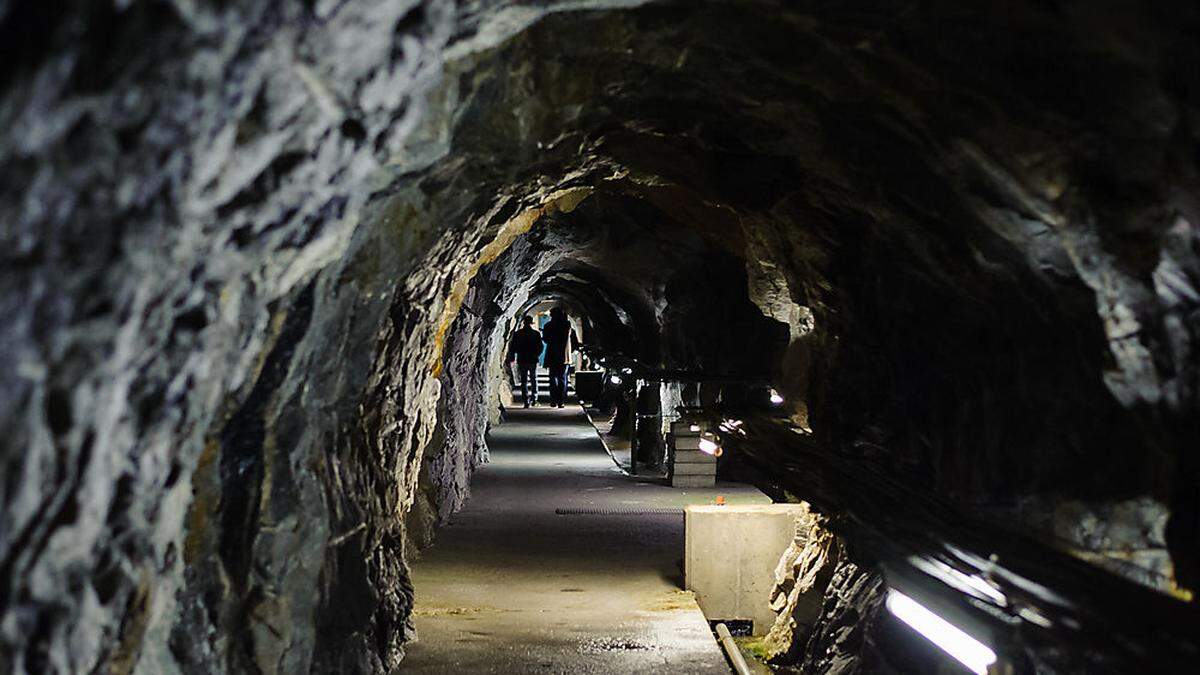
{"type": "Point", "coordinates": [720, 500]}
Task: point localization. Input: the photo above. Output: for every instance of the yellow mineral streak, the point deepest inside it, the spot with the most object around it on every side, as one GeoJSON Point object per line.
{"type": "Point", "coordinates": [562, 201]}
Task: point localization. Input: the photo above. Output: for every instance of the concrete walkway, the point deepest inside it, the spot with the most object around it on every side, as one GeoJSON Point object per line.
{"type": "Point", "coordinates": [510, 587]}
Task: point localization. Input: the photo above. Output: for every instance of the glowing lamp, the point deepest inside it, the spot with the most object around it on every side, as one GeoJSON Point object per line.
{"type": "Point", "coordinates": [615, 379]}
{"type": "Point", "coordinates": [710, 447]}
{"type": "Point", "coordinates": [965, 649]}
{"type": "Point", "coordinates": [776, 398]}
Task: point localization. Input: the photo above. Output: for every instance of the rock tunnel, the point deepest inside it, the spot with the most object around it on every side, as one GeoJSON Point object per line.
{"type": "Point", "coordinates": [262, 259]}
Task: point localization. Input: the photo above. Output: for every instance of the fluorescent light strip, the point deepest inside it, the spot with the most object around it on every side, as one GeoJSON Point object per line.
{"type": "Point", "coordinates": [967, 650]}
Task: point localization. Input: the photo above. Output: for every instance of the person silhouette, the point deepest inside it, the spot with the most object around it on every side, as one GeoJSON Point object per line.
{"type": "Point", "coordinates": [560, 341]}
{"type": "Point", "coordinates": [526, 347]}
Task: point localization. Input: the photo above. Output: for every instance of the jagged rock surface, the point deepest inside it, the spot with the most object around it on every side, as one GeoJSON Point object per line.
{"type": "Point", "coordinates": [260, 258]}
{"type": "Point", "coordinates": [801, 577]}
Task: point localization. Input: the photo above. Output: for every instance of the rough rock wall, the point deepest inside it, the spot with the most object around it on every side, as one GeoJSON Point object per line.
{"type": "Point", "coordinates": [842, 637]}
{"type": "Point", "coordinates": [214, 383]}
{"type": "Point", "coordinates": [956, 249]}
{"type": "Point", "coordinates": [801, 577]}
{"type": "Point", "coordinates": [828, 607]}
{"type": "Point", "coordinates": [472, 345]}
{"type": "Point", "coordinates": [236, 237]}
{"type": "Point", "coordinates": [166, 205]}
{"type": "Point", "coordinates": [182, 356]}
{"type": "Point", "coordinates": [953, 328]}
{"type": "Point", "coordinates": [989, 284]}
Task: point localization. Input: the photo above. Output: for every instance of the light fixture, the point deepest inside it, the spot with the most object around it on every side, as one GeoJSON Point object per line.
{"type": "Point", "coordinates": [967, 650]}
{"type": "Point", "coordinates": [708, 446]}
{"type": "Point", "coordinates": [971, 584]}
{"type": "Point", "coordinates": [776, 398]}
{"type": "Point", "coordinates": [732, 427]}
{"type": "Point", "coordinates": [614, 378]}
{"type": "Point", "coordinates": [627, 371]}
{"type": "Point", "coordinates": [694, 428]}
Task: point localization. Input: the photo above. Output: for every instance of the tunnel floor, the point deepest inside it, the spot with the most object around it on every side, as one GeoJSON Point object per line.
{"type": "Point", "coordinates": [511, 587]}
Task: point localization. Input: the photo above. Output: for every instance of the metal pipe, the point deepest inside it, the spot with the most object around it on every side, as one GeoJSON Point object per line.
{"type": "Point", "coordinates": [731, 650]}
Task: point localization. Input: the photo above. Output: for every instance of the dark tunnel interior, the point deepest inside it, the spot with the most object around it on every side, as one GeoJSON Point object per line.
{"type": "Point", "coordinates": [262, 260]}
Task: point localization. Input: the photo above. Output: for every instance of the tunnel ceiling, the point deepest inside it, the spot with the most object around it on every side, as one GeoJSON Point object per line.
{"type": "Point", "coordinates": [261, 257]}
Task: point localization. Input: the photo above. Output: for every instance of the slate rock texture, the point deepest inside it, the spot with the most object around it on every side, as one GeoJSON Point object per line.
{"type": "Point", "coordinates": [260, 259]}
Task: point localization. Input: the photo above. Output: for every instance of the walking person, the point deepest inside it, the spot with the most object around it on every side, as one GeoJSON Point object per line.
{"type": "Point", "coordinates": [560, 341]}
{"type": "Point", "coordinates": [526, 347]}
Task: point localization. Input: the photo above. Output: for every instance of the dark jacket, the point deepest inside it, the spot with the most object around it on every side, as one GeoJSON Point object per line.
{"type": "Point", "coordinates": [526, 346]}
{"type": "Point", "coordinates": [560, 342]}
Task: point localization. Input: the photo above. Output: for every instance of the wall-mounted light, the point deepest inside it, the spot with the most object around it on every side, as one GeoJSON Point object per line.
{"type": "Point", "coordinates": [731, 426]}
{"type": "Point", "coordinates": [709, 446]}
{"type": "Point", "coordinates": [615, 379]}
{"type": "Point", "coordinates": [627, 371]}
{"type": "Point", "coordinates": [967, 650]}
{"type": "Point", "coordinates": [776, 398]}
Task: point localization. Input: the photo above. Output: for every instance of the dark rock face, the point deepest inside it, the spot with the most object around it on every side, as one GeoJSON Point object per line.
{"type": "Point", "coordinates": [840, 642]}
{"type": "Point", "coordinates": [191, 330]}
{"type": "Point", "coordinates": [260, 260]}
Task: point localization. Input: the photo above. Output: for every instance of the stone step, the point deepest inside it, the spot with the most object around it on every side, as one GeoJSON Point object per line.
{"type": "Point", "coordinates": [694, 457]}
{"type": "Point", "coordinates": [694, 469]}
{"type": "Point", "coordinates": [693, 481]}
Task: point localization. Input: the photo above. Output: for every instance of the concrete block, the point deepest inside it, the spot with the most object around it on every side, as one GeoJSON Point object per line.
{"type": "Point", "coordinates": [695, 458]}
{"type": "Point", "coordinates": [695, 469]}
{"type": "Point", "coordinates": [693, 481]}
{"type": "Point", "coordinates": [730, 557]}
{"type": "Point", "coordinates": [692, 468]}
{"type": "Point", "coordinates": [686, 443]}
{"type": "Point", "coordinates": [685, 428]}
{"type": "Point", "coordinates": [689, 466]}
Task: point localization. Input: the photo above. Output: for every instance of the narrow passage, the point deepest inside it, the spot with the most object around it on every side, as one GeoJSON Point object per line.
{"type": "Point", "coordinates": [511, 587]}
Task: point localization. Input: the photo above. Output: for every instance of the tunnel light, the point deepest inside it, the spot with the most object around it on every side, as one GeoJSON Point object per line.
{"type": "Point", "coordinates": [1033, 616]}
{"type": "Point", "coordinates": [983, 587]}
{"type": "Point", "coordinates": [627, 371]}
{"type": "Point", "coordinates": [694, 428]}
{"type": "Point", "coordinates": [967, 650]}
{"type": "Point", "coordinates": [732, 427]}
{"type": "Point", "coordinates": [968, 583]}
{"type": "Point", "coordinates": [615, 379]}
{"type": "Point", "coordinates": [710, 447]}
{"type": "Point", "coordinates": [776, 398]}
